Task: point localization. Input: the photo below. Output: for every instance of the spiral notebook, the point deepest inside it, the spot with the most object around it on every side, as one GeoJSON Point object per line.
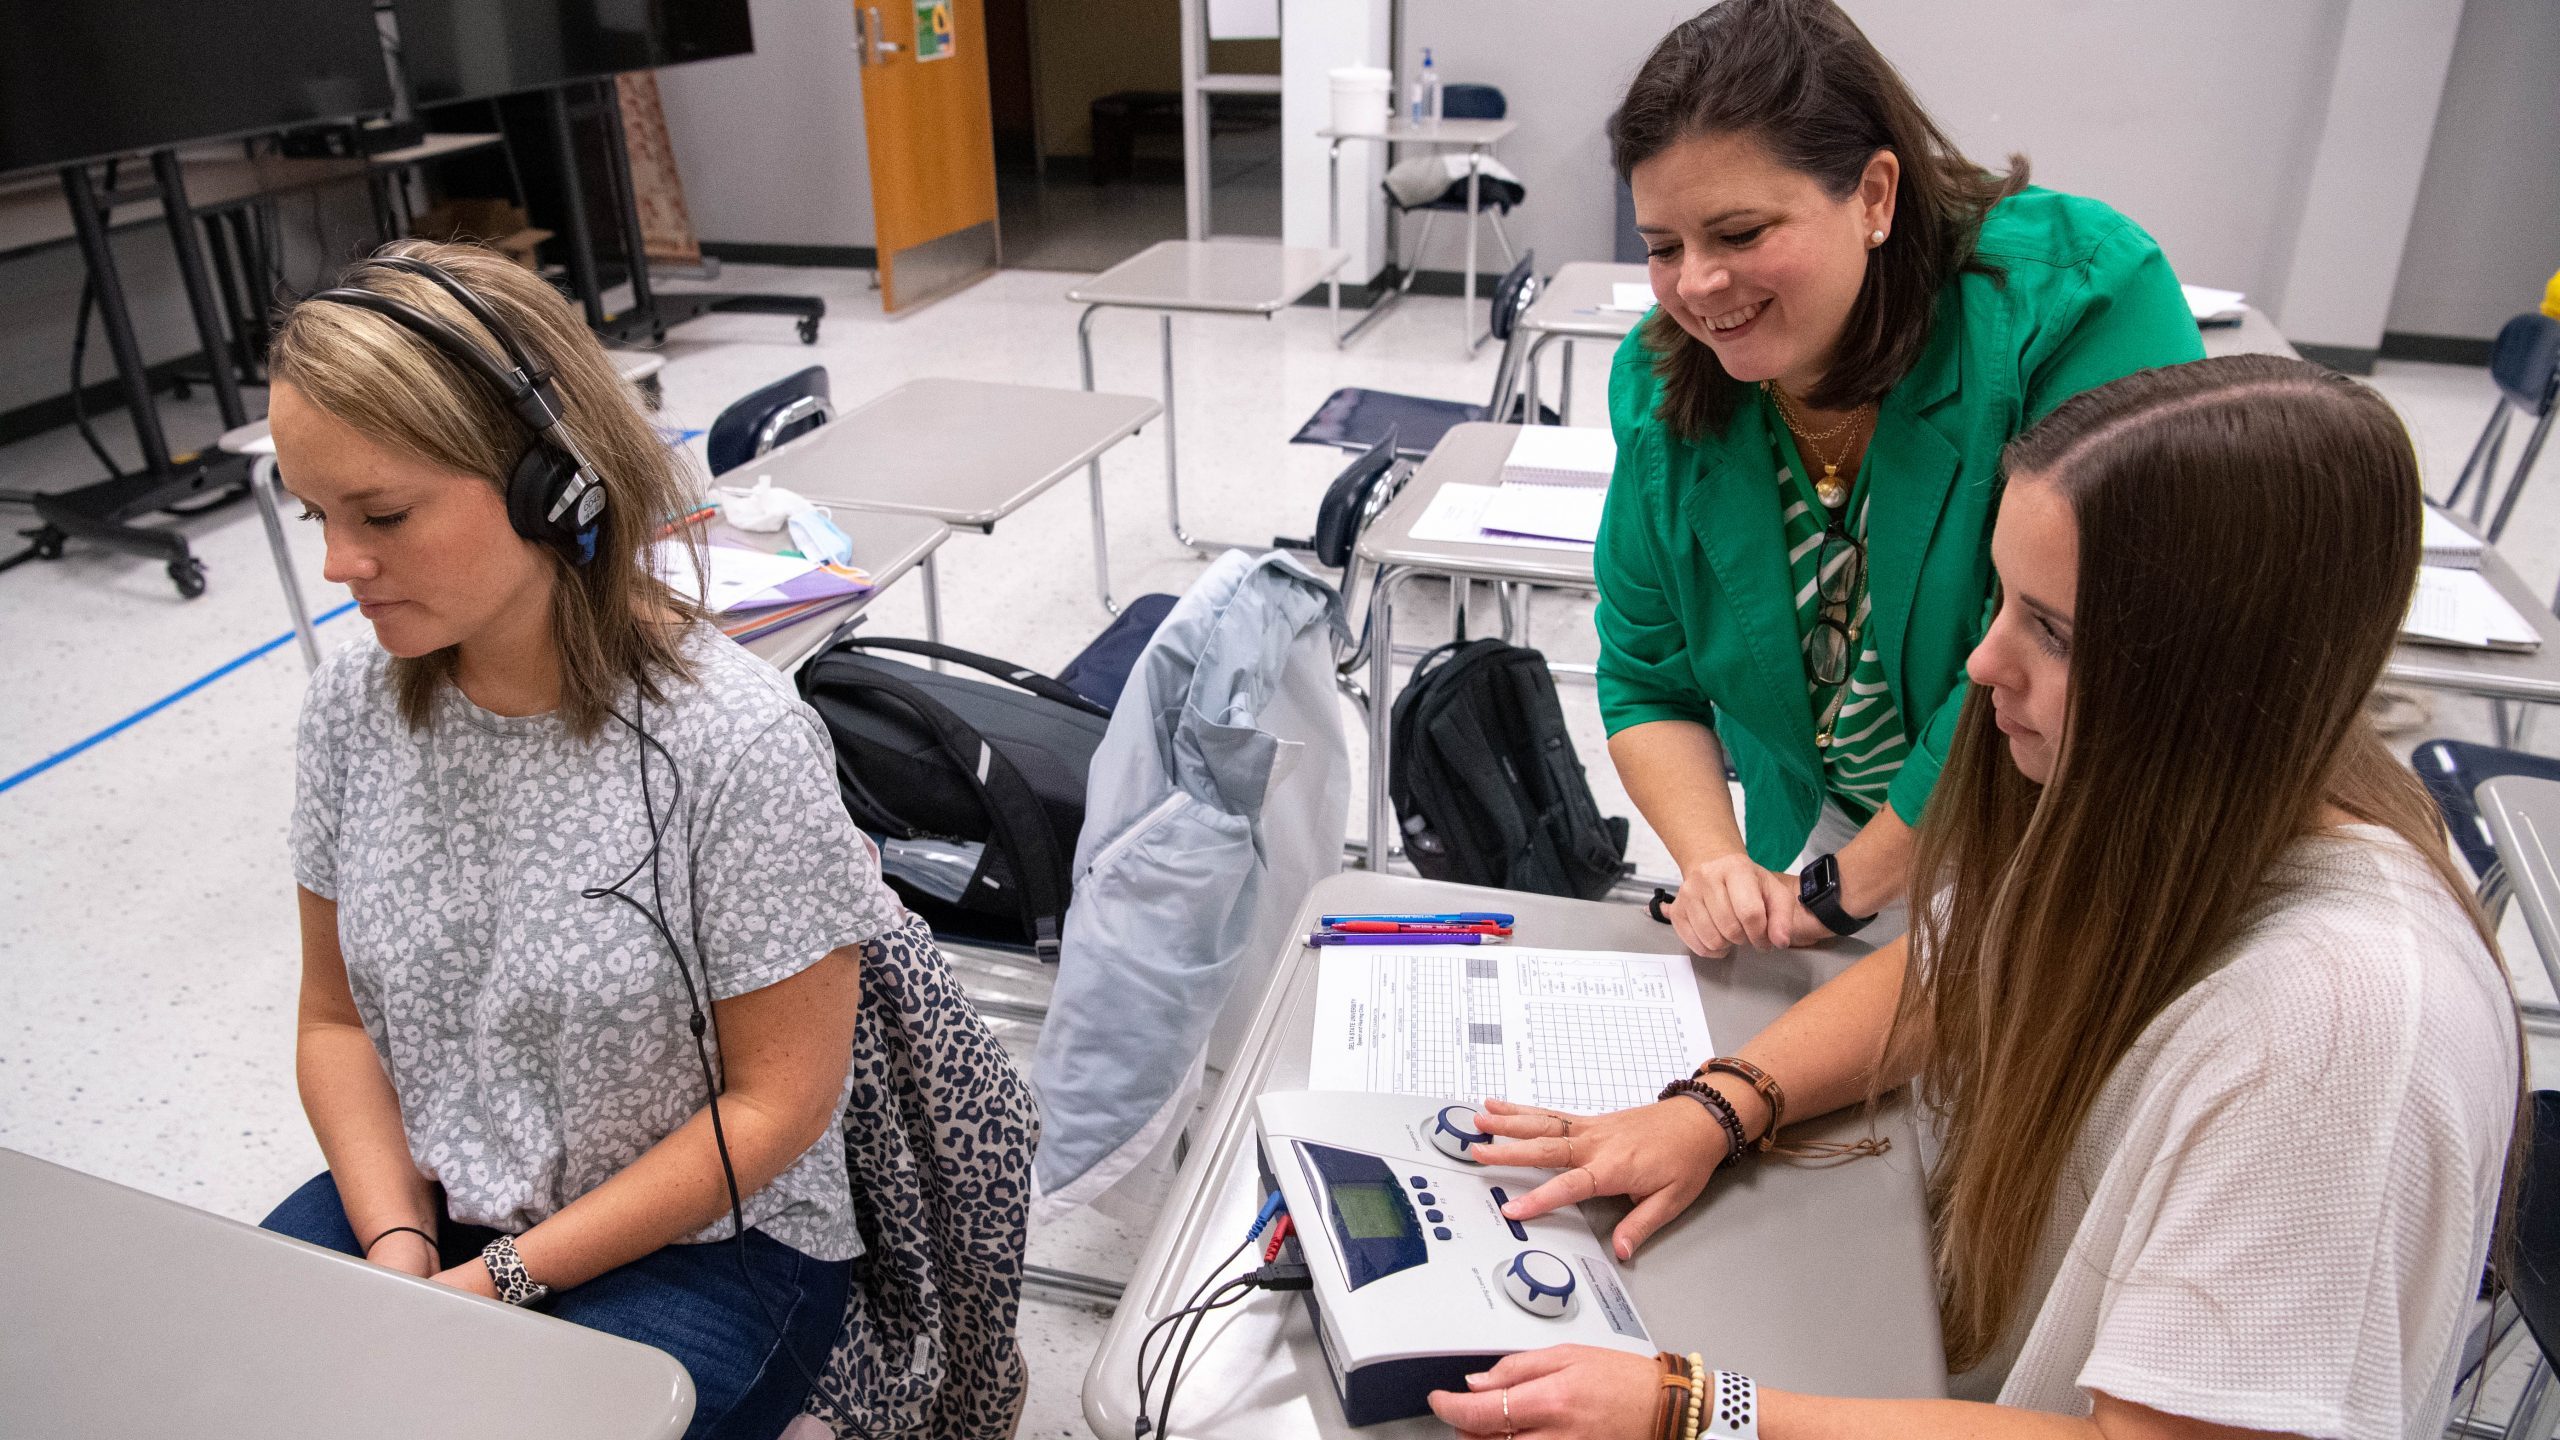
{"type": "Point", "coordinates": [1553, 484]}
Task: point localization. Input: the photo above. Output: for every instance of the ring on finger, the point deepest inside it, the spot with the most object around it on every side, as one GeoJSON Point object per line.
{"type": "Point", "coordinates": [1507, 1432]}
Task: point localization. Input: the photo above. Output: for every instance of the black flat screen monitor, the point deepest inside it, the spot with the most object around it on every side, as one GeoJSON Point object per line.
{"type": "Point", "coordinates": [93, 78]}
{"type": "Point", "coordinates": [476, 49]}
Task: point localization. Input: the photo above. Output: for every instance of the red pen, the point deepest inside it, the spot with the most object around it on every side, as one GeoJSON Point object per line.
{"type": "Point", "coordinates": [1398, 927]}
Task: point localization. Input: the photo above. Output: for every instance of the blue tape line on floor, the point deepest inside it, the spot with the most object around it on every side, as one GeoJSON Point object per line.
{"type": "Point", "coordinates": [163, 703]}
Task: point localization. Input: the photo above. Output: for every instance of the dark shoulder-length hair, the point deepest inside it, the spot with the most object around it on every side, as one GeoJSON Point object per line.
{"type": "Point", "coordinates": [1799, 77]}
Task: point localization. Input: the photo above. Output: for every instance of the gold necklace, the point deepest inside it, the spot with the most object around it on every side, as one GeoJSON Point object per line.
{"type": "Point", "coordinates": [1830, 489]}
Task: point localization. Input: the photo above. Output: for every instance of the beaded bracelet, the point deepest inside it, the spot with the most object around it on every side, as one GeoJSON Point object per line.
{"type": "Point", "coordinates": [1718, 1106]}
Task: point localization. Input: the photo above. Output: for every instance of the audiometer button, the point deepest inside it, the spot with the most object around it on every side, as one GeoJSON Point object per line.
{"type": "Point", "coordinates": [1501, 1198]}
{"type": "Point", "coordinates": [1453, 1132]}
{"type": "Point", "coordinates": [1540, 1283]}
{"type": "Point", "coordinates": [1434, 1216]}
{"type": "Point", "coordinates": [1427, 1198]}
{"type": "Point", "coordinates": [1442, 1233]}
{"type": "Point", "coordinates": [1421, 1184]}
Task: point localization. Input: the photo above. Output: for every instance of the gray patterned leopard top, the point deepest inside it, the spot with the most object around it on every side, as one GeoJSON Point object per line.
{"type": "Point", "coordinates": [537, 1039]}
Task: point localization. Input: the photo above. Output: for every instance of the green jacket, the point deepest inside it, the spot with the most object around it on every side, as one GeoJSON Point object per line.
{"type": "Point", "coordinates": [1696, 617]}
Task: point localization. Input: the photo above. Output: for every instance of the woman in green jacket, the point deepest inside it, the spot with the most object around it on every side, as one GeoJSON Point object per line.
{"type": "Point", "coordinates": [1853, 320]}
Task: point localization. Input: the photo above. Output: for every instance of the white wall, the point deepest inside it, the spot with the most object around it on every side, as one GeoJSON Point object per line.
{"type": "Point", "coordinates": [2196, 117]}
{"type": "Point", "coordinates": [2202, 119]}
{"type": "Point", "coordinates": [2486, 235]}
{"type": "Point", "coordinates": [770, 145]}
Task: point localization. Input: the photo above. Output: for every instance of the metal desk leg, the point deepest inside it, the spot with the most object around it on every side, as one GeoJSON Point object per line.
{"type": "Point", "coordinates": [1564, 389]}
{"type": "Point", "coordinates": [1172, 476]}
{"type": "Point", "coordinates": [262, 484]}
{"type": "Point", "coordinates": [1333, 237]}
{"type": "Point", "coordinates": [1529, 378]}
{"type": "Point", "coordinates": [1382, 662]}
{"type": "Point", "coordinates": [1467, 312]}
{"type": "Point", "coordinates": [932, 578]}
{"type": "Point", "coordinates": [1093, 470]}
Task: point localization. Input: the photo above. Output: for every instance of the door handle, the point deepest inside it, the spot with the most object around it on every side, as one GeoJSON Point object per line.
{"type": "Point", "coordinates": [867, 25]}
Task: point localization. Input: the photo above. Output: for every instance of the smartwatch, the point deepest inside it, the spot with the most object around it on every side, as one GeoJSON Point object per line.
{"type": "Point", "coordinates": [1818, 889]}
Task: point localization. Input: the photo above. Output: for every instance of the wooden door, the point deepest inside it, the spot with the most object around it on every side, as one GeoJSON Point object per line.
{"type": "Point", "coordinates": [932, 140]}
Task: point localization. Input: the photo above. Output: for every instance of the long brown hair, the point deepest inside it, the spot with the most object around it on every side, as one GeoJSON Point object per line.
{"type": "Point", "coordinates": [607, 616]}
{"type": "Point", "coordinates": [2248, 534]}
{"type": "Point", "coordinates": [1799, 77]}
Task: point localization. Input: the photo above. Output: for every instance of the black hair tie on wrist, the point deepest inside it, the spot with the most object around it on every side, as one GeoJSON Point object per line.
{"type": "Point", "coordinates": [403, 1229]}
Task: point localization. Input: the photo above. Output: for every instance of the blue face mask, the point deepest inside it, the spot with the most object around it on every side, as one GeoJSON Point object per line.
{"type": "Point", "coordinates": [817, 537]}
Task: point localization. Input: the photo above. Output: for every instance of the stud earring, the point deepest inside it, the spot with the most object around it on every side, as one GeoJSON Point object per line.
{"type": "Point", "coordinates": [1875, 237]}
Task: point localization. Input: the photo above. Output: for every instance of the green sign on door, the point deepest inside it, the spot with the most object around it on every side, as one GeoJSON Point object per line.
{"type": "Point", "coordinates": [934, 39]}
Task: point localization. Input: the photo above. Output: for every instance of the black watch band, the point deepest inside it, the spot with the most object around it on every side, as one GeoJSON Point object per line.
{"type": "Point", "coordinates": [1818, 890]}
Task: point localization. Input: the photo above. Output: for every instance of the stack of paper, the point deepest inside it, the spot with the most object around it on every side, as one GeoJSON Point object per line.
{"type": "Point", "coordinates": [2215, 307]}
{"type": "Point", "coordinates": [2447, 543]}
{"type": "Point", "coordinates": [2460, 607]}
{"type": "Point", "coordinates": [754, 593]}
{"type": "Point", "coordinates": [1554, 484]}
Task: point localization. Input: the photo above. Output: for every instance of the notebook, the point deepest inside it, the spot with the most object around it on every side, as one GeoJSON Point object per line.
{"type": "Point", "coordinates": [741, 580]}
{"type": "Point", "coordinates": [2460, 607]}
{"type": "Point", "coordinates": [2446, 542]}
{"type": "Point", "coordinates": [1554, 484]}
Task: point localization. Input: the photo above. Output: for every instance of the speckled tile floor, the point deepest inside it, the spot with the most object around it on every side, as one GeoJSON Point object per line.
{"type": "Point", "coordinates": [147, 965]}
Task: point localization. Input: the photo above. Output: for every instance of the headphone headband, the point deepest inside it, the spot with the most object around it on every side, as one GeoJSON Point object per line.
{"type": "Point", "coordinates": [554, 494]}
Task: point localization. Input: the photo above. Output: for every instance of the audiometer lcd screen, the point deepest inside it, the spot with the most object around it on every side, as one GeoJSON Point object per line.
{"type": "Point", "coordinates": [107, 77]}
{"type": "Point", "coordinates": [1373, 1212]}
{"type": "Point", "coordinates": [474, 49]}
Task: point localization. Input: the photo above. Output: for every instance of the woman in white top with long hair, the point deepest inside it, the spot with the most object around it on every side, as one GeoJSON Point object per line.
{"type": "Point", "coordinates": [2222, 1066]}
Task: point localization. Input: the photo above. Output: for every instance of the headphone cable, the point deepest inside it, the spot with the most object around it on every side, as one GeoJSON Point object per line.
{"type": "Point", "coordinates": [655, 914]}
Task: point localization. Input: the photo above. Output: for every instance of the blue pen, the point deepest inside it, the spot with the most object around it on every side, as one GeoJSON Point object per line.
{"type": "Point", "coordinates": [1328, 937]}
{"type": "Point", "coordinates": [1462, 917]}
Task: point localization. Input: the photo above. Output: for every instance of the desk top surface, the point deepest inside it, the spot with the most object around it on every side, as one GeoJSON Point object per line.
{"type": "Point", "coordinates": [885, 546]}
{"type": "Point", "coordinates": [1470, 454]}
{"type": "Point", "coordinates": [2523, 812]}
{"type": "Point", "coordinates": [1401, 131]}
{"type": "Point", "coordinates": [1575, 302]}
{"type": "Point", "coordinates": [33, 212]}
{"type": "Point", "coordinates": [1243, 277]}
{"type": "Point", "coordinates": [964, 452]}
{"type": "Point", "coordinates": [248, 1334]}
{"type": "Point", "coordinates": [1789, 1250]}
{"type": "Point", "coordinates": [2254, 335]}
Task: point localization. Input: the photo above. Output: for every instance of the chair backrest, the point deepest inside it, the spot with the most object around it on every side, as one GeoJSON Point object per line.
{"type": "Point", "coordinates": [1351, 502]}
{"type": "Point", "coordinates": [1472, 102]}
{"type": "Point", "coordinates": [1511, 300]}
{"type": "Point", "coordinates": [2525, 362]}
{"type": "Point", "coordinates": [789, 407]}
{"type": "Point", "coordinates": [2534, 1278]}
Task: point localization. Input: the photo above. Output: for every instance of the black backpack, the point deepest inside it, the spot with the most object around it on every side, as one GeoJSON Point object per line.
{"type": "Point", "coordinates": [1486, 785]}
{"type": "Point", "coordinates": [922, 756]}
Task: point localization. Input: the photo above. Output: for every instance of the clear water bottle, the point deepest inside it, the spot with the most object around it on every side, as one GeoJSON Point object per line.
{"type": "Point", "coordinates": [1426, 93]}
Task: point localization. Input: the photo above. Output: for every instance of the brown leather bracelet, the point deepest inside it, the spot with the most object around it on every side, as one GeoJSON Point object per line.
{"type": "Point", "coordinates": [1716, 1105]}
{"type": "Point", "coordinates": [1759, 1080]}
{"type": "Point", "coordinates": [1673, 1388]}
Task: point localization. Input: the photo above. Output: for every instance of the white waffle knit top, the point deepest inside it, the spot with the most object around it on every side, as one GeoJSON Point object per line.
{"type": "Point", "coordinates": [2276, 1214]}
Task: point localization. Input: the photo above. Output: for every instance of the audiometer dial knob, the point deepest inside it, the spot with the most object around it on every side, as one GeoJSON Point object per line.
{"type": "Point", "coordinates": [1454, 1133]}
{"type": "Point", "coordinates": [1539, 1282]}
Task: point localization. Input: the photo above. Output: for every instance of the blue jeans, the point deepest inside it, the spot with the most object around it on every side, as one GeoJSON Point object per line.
{"type": "Point", "coordinates": [691, 1301]}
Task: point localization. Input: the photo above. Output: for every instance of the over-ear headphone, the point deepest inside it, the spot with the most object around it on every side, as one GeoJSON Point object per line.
{"type": "Point", "coordinates": [554, 496]}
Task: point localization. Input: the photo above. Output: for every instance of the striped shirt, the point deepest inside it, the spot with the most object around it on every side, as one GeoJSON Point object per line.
{"type": "Point", "coordinates": [1867, 742]}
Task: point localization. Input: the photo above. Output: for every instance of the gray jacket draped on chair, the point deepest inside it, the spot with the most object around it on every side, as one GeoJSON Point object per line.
{"type": "Point", "coordinates": [1217, 798]}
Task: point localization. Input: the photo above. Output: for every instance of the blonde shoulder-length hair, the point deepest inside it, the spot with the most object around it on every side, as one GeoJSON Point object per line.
{"type": "Point", "coordinates": [614, 623]}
